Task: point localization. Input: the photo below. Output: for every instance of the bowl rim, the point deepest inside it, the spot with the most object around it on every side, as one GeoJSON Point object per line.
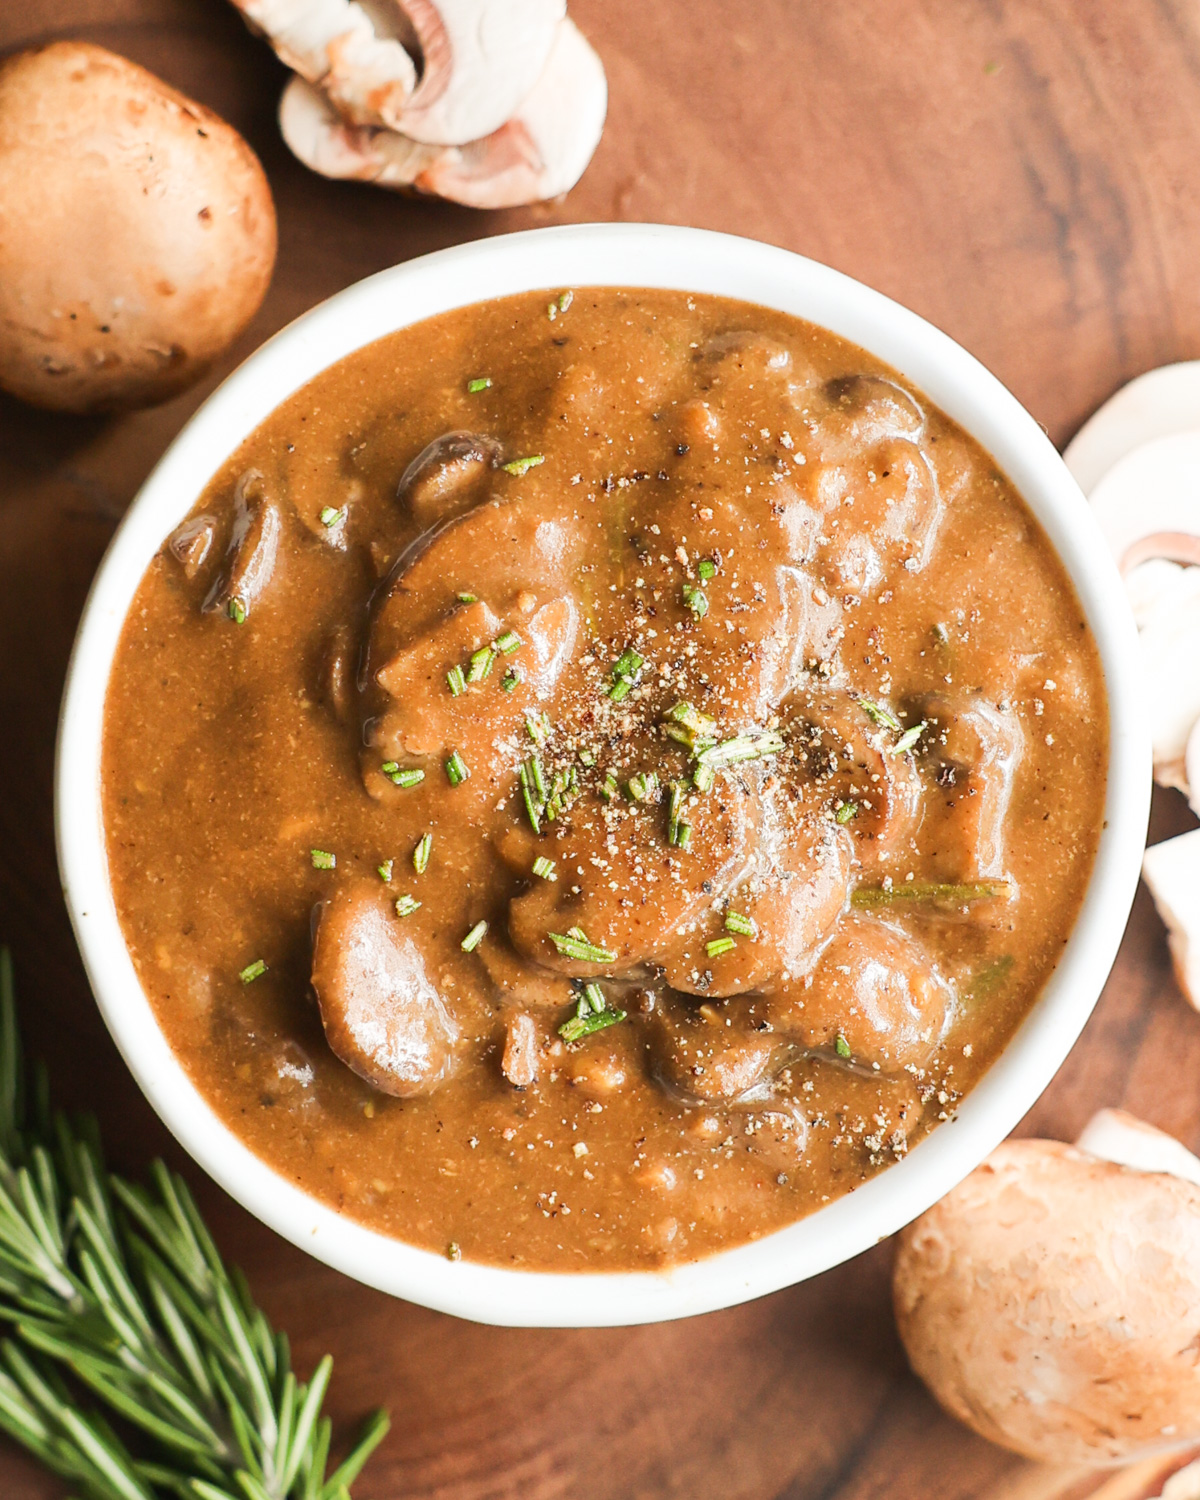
{"type": "Point", "coordinates": [627, 255]}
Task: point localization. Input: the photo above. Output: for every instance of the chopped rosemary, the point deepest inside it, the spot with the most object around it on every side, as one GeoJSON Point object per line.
{"type": "Point", "coordinates": [845, 811]}
{"type": "Point", "coordinates": [421, 853]}
{"type": "Point", "coordinates": [322, 859]}
{"type": "Point", "coordinates": [543, 868]}
{"type": "Point", "coordinates": [565, 301]}
{"type": "Point", "coordinates": [480, 383]}
{"type": "Point", "coordinates": [880, 715]}
{"type": "Point", "coordinates": [683, 835]}
{"type": "Point", "coordinates": [594, 996]}
{"type": "Point", "coordinates": [236, 609]}
{"type": "Point", "coordinates": [578, 1027]}
{"type": "Point", "coordinates": [752, 745]}
{"type": "Point", "coordinates": [696, 600]}
{"type": "Point", "coordinates": [931, 891]}
{"type": "Point", "coordinates": [575, 945]}
{"type": "Point", "coordinates": [384, 871]}
{"type": "Point", "coordinates": [402, 775]}
{"type": "Point", "coordinates": [253, 971]}
{"type": "Point", "coordinates": [706, 568]}
{"type": "Point", "coordinates": [841, 1046]}
{"type": "Point", "coordinates": [520, 466]}
{"type": "Point", "coordinates": [467, 598]}
{"type": "Point", "coordinates": [642, 787]}
{"type": "Point", "coordinates": [910, 737]}
{"type": "Point", "coordinates": [508, 642]}
{"type": "Point", "coordinates": [330, 515]}
{"type": "Point", "coordinates": [538, 727]}
{"type": "Point", "coordinates": [474, 937]}
{"type": "Point", "coordinates": [677, 794]}
{"type": "Point", "coordinates": [610, 786]}
{"type": "Point", "coordinates": [456, 681]}
{"type": "Point", "coordinates": [457, 770]}
{"type": "Point", "coordinates": [510, 680]}
{"type": "Point", "coordinates": [625, 672]}
{"type": "Point", "coordinates": [481, 663]}
{"type": "Point", "coordinates": [406, 905]}
{"type": "Point", "coordinates": [703, 777]}
{"type": "Point", "coordinates": [736, 922]}
{"type": "Point", "coordinates": [533, 803]}
{"type": "Point", "coordinates": [688, 726]}
{"type": "Point", "coordinates": [716, 946]}
{"type": "Point", "coordinates": [537, 777]}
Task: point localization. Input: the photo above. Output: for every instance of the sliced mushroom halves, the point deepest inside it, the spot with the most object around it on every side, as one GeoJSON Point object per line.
{"type": "Point", "coordinates": [253, 550]}
{"type": "Point", "coordinates": [382, 1013]}
{"type": "Point", "coordinates": [1052, 1300]}
{"type": "Point", "coordinates": [973, 750]}
{"type": "Point", "coordinates": [874, 998]}
{"type": "Point", "coordinates": [444, 477]}
{"type": "Point", "coordinates": [538, 153]}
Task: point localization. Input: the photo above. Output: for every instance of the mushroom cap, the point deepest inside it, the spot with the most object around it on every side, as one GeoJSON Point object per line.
{"type": "Point", "coordinates": [1052, 1303]}
{"type": "Point", "coordinates": [1172, 872]}
{"type": "Point", "coordinates": [1156, 404]}
{"type": "Point", "coordinates": [1117, 1136]}
{"type": "Point", "coordinates": [1152, 491]}
{"type": "Point", "coordinates": [137, 231]}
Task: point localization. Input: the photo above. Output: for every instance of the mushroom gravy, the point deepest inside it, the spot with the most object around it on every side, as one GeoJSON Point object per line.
{"type": "Point", "coordinates": [595, 779]}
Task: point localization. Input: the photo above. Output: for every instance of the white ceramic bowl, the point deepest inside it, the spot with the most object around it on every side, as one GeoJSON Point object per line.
{"type": "Point", "coordinates": [605, 255]}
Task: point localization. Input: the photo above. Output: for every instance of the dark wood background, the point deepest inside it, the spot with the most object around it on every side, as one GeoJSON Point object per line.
{"type": "Point", "coordinates": [1025, 173]}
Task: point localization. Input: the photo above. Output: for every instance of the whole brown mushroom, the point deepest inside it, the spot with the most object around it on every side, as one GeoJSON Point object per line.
{"type": "Point", "coordinates": [137, 232]}
{"type": "Point", "coordinates": [1052, 1300]}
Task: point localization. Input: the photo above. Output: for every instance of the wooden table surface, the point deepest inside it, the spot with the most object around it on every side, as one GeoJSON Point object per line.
{"type": "Point", "coordinates": [1025, 173]}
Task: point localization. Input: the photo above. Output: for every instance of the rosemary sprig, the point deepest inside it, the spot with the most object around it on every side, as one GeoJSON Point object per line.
{"type": "Point", "coordinates": [121, 1287]}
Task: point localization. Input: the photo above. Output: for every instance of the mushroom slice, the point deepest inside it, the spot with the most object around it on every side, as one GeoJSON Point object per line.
{"type": "Point", "coordinates": [253, 548]}
{"type": "Point", "coordinates": [1172, 871]}
{"type": "Point", "coordinates": [1191, 767]}
{"type": "Point", "coordinates": [977, 748]}
{"type": "Point", "coordinates": [796, 889]}
{"type": "Point", "coordinates": [191, 543]}
{"type": "Point", "coordinates": [874, 999]}
{"type": "Point", "coordinates": [699, 1059]}
{"type": "Point", "coordinates": [369, 77]}
{"type": "Point", "coordinates": [519, 1061]}
{"type": "Point", "coordinates": [381, 1013]}
{"type": "Point", "coordinates": [1052, 1302]}
{"type": "Point", "coordinates": [1148, 503]}
{"type": "Point", "coordinates": [482, 59]}
{"type": "Point", "coordinates": [441, 480]}
{"type": "Point", "coordinates": [1156, 404]}
{"type": "Point", "coordinates": [539, 153]}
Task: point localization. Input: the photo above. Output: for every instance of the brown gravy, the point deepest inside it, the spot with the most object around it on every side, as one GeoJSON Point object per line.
{"type": "Point", "coordinates": [737, 693]}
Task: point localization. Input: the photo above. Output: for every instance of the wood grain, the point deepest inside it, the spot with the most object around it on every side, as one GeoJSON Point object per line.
{"type": "Point", "coordinates": [1024, 174]}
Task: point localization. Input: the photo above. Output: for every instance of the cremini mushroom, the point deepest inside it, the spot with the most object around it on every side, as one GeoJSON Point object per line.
{"type": "Point", "coordinates": [137, 232]}
{"type": "Point", "coordinates": [537, 154]}
{"type": "Point", "coordinates": [1172, 872]}
{"type": "Point", "coordinates": [1052, 1300]}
